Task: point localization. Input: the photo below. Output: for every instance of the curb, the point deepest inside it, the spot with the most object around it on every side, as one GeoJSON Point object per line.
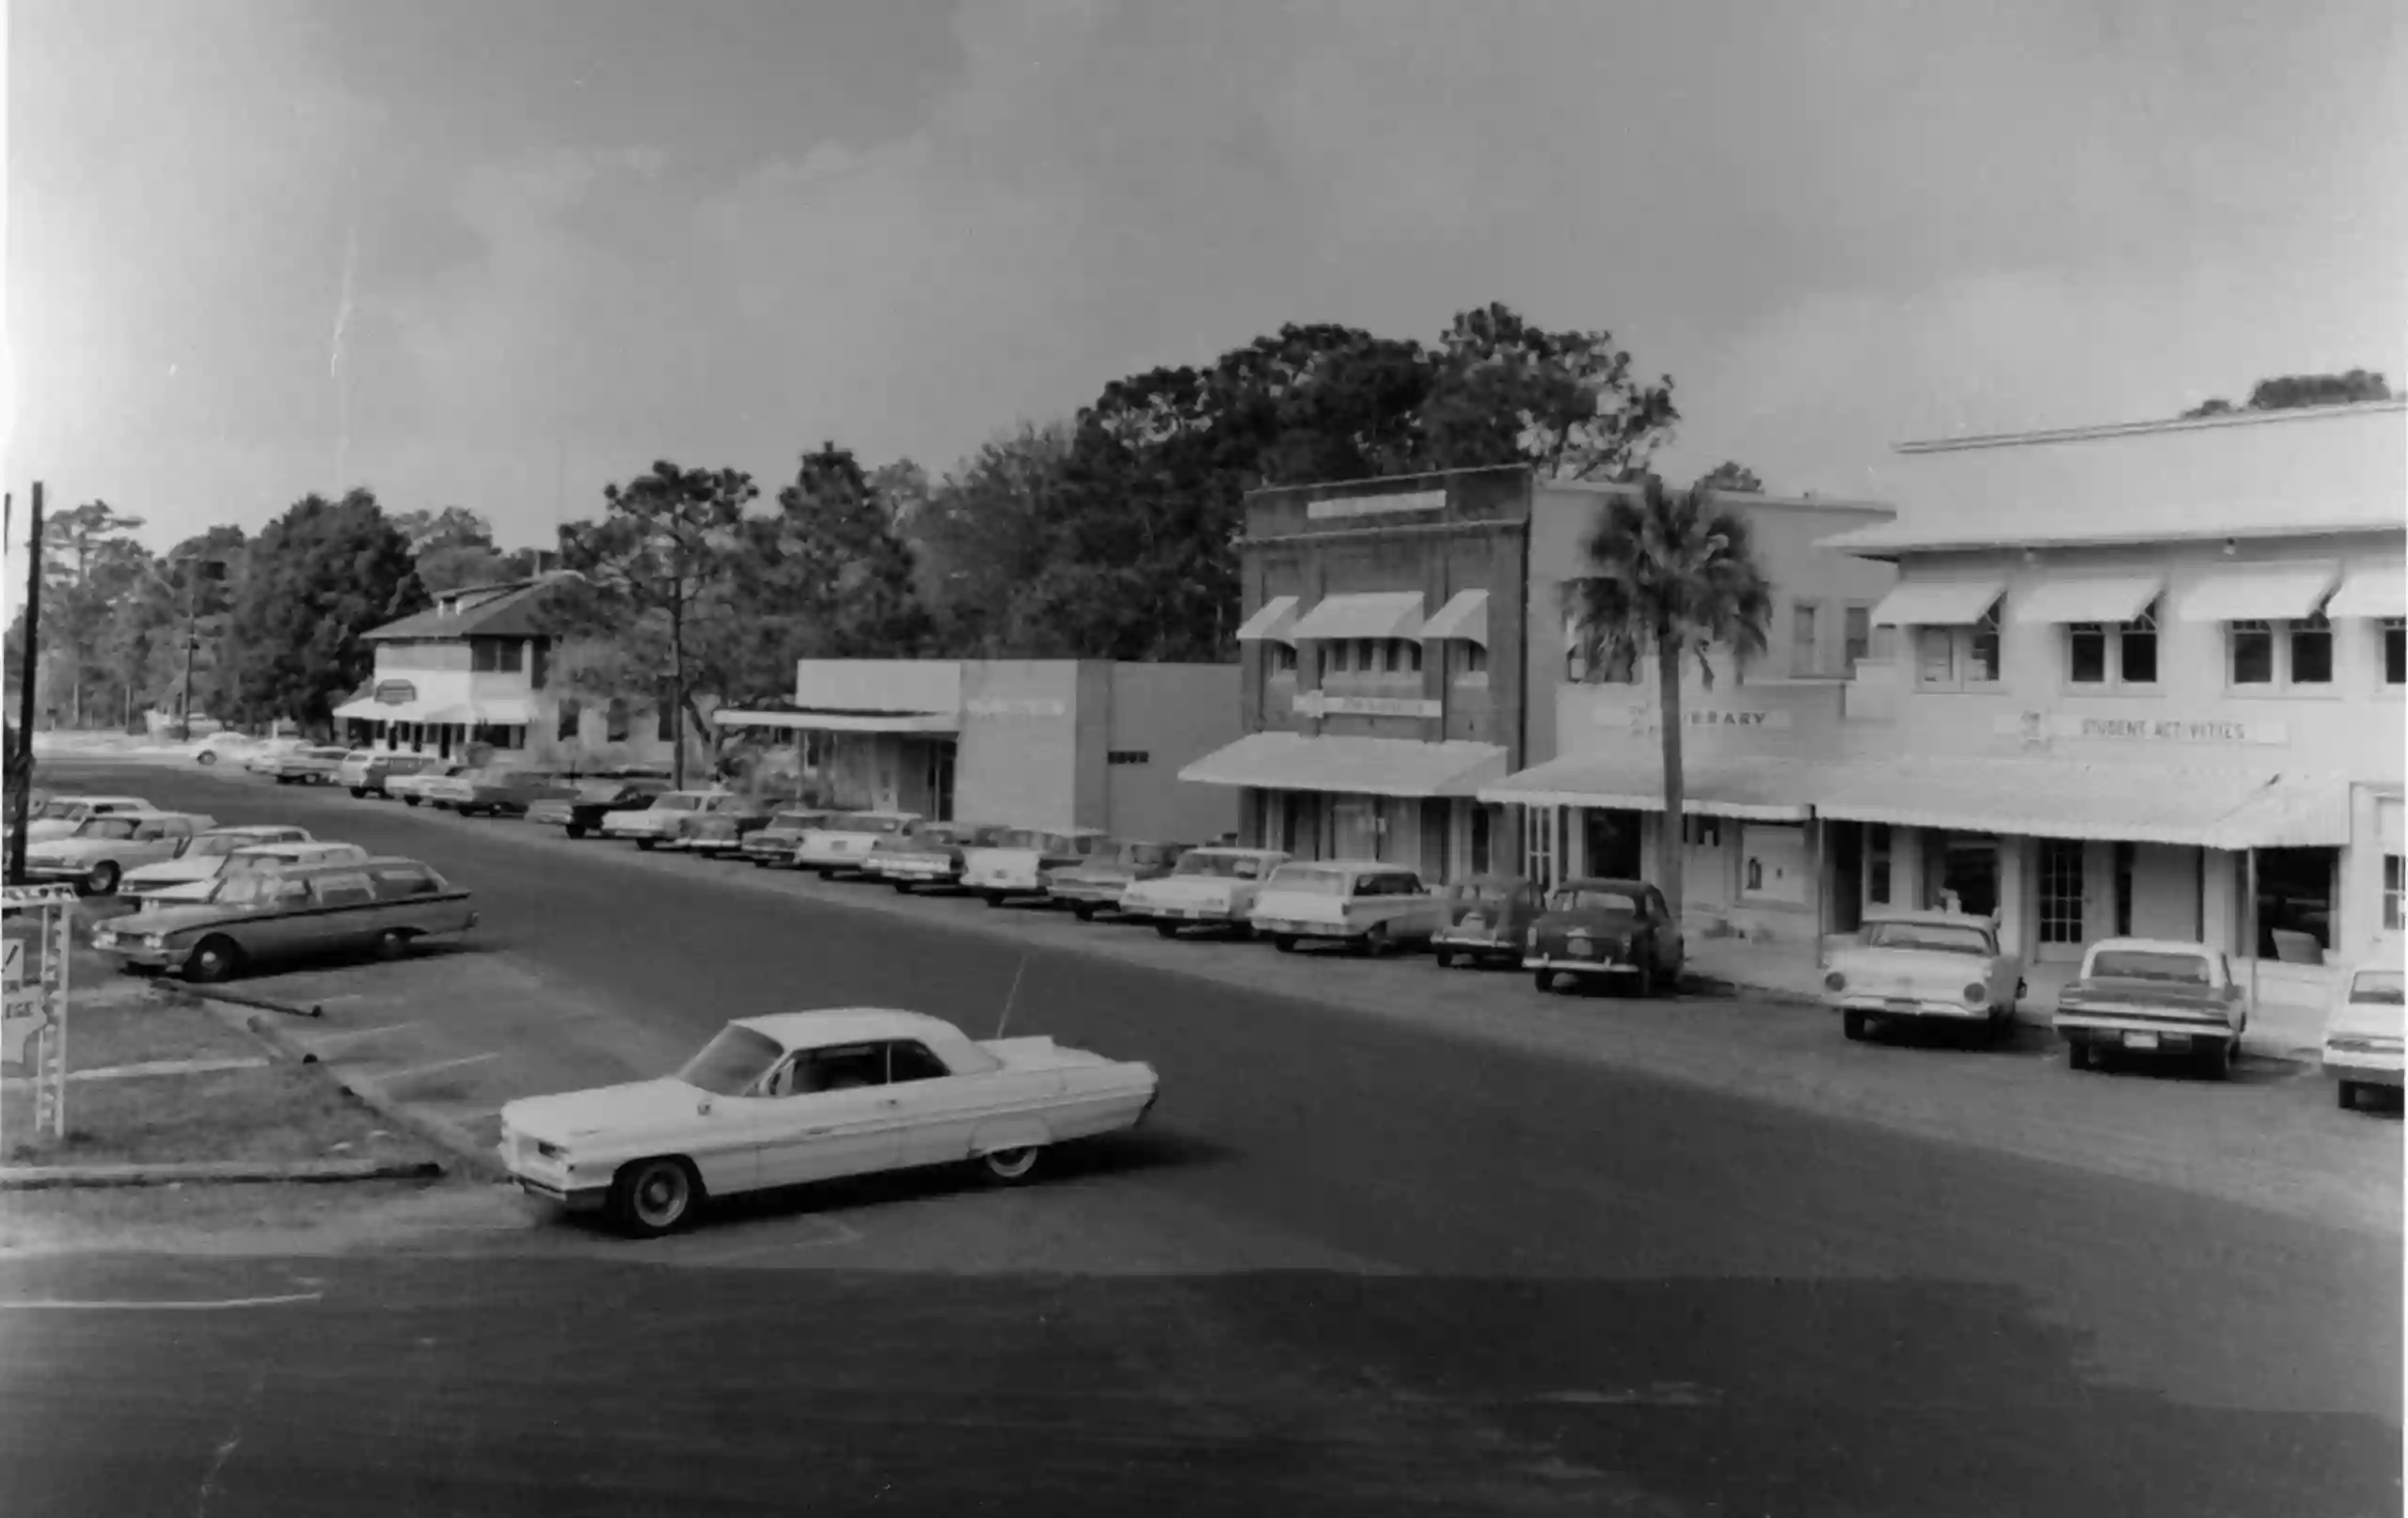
{"type": "Point", "coordinates": [259, 1004]}
{"type": "Point", "coordinates": [215, 1172]}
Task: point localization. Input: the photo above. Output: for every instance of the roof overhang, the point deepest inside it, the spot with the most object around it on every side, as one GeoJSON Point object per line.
{"type": "Point", "coordinates": [1376, 614]}
{"type": "Point", "coordinates": [2260, 593]}
{"type": "Point", "coordinates": [1348, 765]}
{"type": "Point", "coordinates": [2109, 598]}
{"type": "Point", "coordinates": [1464, 616]}
{"type": "Point", "coordinates": [1939, 603]}
{"type": "Point", "coordinates": [2371, 591]}
{"type": "Point", "coordinates": [1271, 623]}
{"type": "Point", "coordinates": [842, 722]}
{"type": "Point", "coordinates": [1753, 787]}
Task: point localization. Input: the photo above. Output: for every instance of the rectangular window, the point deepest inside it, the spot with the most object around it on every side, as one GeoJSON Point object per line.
{"type": "Point", "coordinates": [485, 656]}
{"type": "Point", "coordinates": [1412, 662]}
{"type": "Point", "coordinates": [539, 665]}
{"type": "Point", "coordinates": [1128, 756]}
{"type": "Point", "coordinates": [1982, 650]}
{"type": "Point", "coordinates": [2086, 654]}
{"type": "Point", "coordinates": [2252, 652]}
{"type": "Point", "coordinates": [616, 723]}
{"type": "Point", "coordinates": [2391, 891]}
{"type": "Point", "coordinates": [1475, 659]}
{"type": "Point", "coordinates": [2395, 651]}
{"type": "Point", "coordinates": [569, 717]}
{"type": "Point", "coordinates": [1702, 832]}
{"type": "Point", "coordinates": [1856, 636]}
{"type": "Point", "coordinates": [1804, 658]}
{"type": "Point", "coordinates": [2136, 648]}
{"type": "Point", "coordinates": [1377, 652]}
{"type": "Point", "coordinates": [1876, 864]}
{"type": "Point", "coordinates": [1480, 825]}
{"type": "Point", "coordinates": [1341, 657]}
{"type": "Point", "coordinates": [1936, 656]}
{"type": "Point", "coordinates": [664, 718]}
{"type": "Point", "coordinates": [512, 657]}
{"type": "Point", "coordinates": [1576, 658]}
{"type": "Point", "coordinates": [2312, 652]}
{"type": "Point", "coordinates": [2124, 854]}
{"type": "Point", "coordinates": [1283, 659]}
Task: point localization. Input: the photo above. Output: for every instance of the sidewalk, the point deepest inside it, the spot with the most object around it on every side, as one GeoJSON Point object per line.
{"type": "Point", "coordinates": [2277, 1029]}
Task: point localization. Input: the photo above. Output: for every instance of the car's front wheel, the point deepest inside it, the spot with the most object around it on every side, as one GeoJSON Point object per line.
{"type": "Point", "coordinates": [409, 801]}
{"type": "Point", "coordinates": [1284, 942]}
{"type": "Point", "coordinates": [1445, 957]}
{"type": "Point", "coordinates": [993, 898]}
{"type": "Point", "coordinates": [214, 959]}
{"type": "Point", "coordinates": [1544, 979]}
{"type": "Point", "coordinates": [359, 791]}
{"type": "Point", "coordinates": [576, 829]}
{"type": "Point", "coordinates": [652, 1197]}
{"type": "Point", "coordinates": [1168, 930]}
{"type": "Point", "coordinates": [2215, 1060]}
{"type": "Point", "coordinates": [1009, 1165]}
{"type": "Point", "coordinates": [648, 844]}
{"type": "Point", "coordinates": [206, 756]}
{"type": "Point", "coordinates": [102, 881]}
{"type": "Point", "coordinates": [2347, 1095]}
{"type": "Point", "coordinates": [1852, 1026]}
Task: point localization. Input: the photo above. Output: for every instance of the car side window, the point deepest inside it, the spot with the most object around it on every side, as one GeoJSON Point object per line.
{"type": "Point", "coordinates": [150, 831]}
{"type": "Point", "coordinates": [1656, 911]}
{"type": "Point", "coordinates": [910, 1060]}
{"type": "Point", "coordinates": [844, 1067]}
{"type": "Point", "coordinates": [341, 891]}
{"type": "Point", "coordinates": [392, 885]}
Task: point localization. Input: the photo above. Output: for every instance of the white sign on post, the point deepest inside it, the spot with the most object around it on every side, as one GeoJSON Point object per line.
{"type": "Point", "coordinates": [33, 1018]}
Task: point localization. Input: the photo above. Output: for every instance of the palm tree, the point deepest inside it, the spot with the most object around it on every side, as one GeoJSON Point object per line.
{"type": "Point", "coordinates": [1672, 575]}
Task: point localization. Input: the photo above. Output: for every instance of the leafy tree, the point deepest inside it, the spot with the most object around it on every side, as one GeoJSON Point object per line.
{"type": "Point", "coordinates": [2290, 392]}
{"type": "Point", "coordinates": [651, 589]}
{"type": "Point", "coordinates": [1507, 391]}
{"type": "Point", "coordinates": [831, 572]}
{"type": "Point", "coordinates": [1676, 576]}
{"type": "Point", "coordinates": [1732, 479]}
{"type": "Point", "coordinates": [89, 562]}
{"type": "Point", "coordinates": [317, 578]}
{"type": "Point", "coordinates": [454, 547]}
{"type": "Point", "coordinates": [983, 534]}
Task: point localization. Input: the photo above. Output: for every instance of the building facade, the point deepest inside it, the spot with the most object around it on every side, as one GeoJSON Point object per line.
{"type": "Point", "coordinates": [1382, 669]}
{"type": "Point", "coordinates": [1040, 743]}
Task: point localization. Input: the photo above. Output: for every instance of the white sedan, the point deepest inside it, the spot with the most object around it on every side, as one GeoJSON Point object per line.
{"type": "Point", "coordinates": [1928, 966]}
{"type": "Point", "coordinates": [799, 1096]}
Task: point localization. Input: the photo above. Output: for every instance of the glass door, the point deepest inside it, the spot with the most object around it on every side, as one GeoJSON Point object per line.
{"type": "Point", "coordinates": [2061, 928]}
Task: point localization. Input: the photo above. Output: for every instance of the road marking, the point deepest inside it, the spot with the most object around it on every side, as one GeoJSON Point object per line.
{"type": "Point", "coordinates": [220, 1304]}
{"type": "Point", "coordinates": [415, 1071]}
{"type": "Point", "coordinates": [324, 1040]}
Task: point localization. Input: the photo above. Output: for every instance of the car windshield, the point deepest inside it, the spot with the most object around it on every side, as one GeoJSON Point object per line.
{"type": "Point", "coordinates": [2380, 987]}
{"type": "Point", "coordinates": [1149, 856]}
{"type": "Point", "coordinates": [106, 827]}
{"type": "Point", "coordinates": [58, 811]}
{"type": "Point", "coordinates": [939, 835]}
{"type": "Point", "coordinates": [797, 820]}
{"type": "Point", "coordinates": [674, 801]}
{"type": "Point", "coordinates": [211, 844]}
{"type": "Point", "coordinates": [732, 1063]}
{"type": "Point", "coordinates": [2152, 964]}
{"type": "Point", "coordinates": [1936, 938]}
{"type": "Point", "coordinates": [259, 863]}
{"type": "Point", "coordinates": [600, 790]}
{"type": "Point", "coordinates": [1305, 880]}
{"type": "Point", "coordinates": [1594, 901]}
{"type": "Point", "coordinates": [866, 822]}
{"type": "Point", "coordinates": [1229, 866]}
{"type": "Point", "coordinates": [1484, 893]}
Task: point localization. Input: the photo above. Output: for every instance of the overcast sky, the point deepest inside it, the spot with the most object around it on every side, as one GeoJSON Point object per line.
{"type": "Point", "coordinates": [498, 252]}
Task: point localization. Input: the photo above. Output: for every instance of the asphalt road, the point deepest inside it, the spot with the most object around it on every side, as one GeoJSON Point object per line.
{"type": "Point", "coordinates": [1351, 1266]}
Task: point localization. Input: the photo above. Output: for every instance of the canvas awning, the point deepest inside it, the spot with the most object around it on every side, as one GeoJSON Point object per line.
{"type": "Point", "coordinates": [2116, 801]}
{"type": "Point", "coordinates": [1938, 603]}
{"type": "Point", "coordinates": [496, 713]}
{"type": "Point", "coordinates": [1350, 765]}
{"type": "Point", "coordinates": [1464, 616]}
{"type": "Point", "coordinates": [1378, 614]}
{"type": "Point", "coordinates": [2260, 593]}
{"type": "Point", "coordinates": [1752, 786]}
{"type": "Point", "coordinates": [2372, 590]}
{"type": "Point", "coordinates": [368, 709]}
{"type": "Point", "coordinates": [843, 721]}
{"type": "Point", "coordinates": [1271, 623]}
{"type": "Point", "coordinates": [2109, 598]}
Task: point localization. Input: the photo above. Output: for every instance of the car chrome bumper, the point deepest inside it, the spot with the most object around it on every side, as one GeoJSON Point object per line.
{"type": "Point", "coordinates": [908, 869]}
{"type": "Point", "coordinates": [1908, 1007]}
{"type": "Point", "coordinates": [2362, 1069]}
{"type": "Point", "coordinates": [1100, 895]}
{"type": "Point", "coordinates": [1181, 914]}
{"type": "Point", "coordinates": [133, 955]}
{"type": "Point", "coordinates": [1290, 927]}
{"type": "Point", "coordinates": [1464, 942]}
{"type": "Point", "coordinates": [1579, 966]}
{"type": "Point", "coordinates": [571, 1199]}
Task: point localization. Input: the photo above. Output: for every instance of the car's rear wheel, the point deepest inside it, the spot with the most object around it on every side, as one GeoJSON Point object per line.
{"type": "Point", "coordinates": [1168, 930]}
{"type": "Point", "coordinates": [359, 791]}
{"type": "Point", "coordinates": [1544, 979]}
{"type": "Point", "coordinates": [206, 756]}
{"type": "Point", "coordinates": [2346, 1094]}
{"type": "Point", "coordinates": [1084, 911]}
{"type": "Point", "coordinates": [2215, 1060]}
{"type": "Point", "coordinates": [1852, 1026]}
{"type": "Point", "coordinates": [993, 898]}
{"type": "Point", "coordinates": [1376, 942]}
{"type": "Point", "coordinates": [214, 959]}
{"type": "Point", "coordinates": [574, 830]}
{"type": "Point", "coordinates": [1445, 957]}
{"type": "Point", "coordinates": [1284, 942]}
{"type": "Point", "coordinates": [652, 1197]}
{"type": "Point", "coordinates": [902, 887]}
{"type": "Point", "coordinates": [392, 943]}
{"type": "Point", "coordinates": [103, 879]}
{"type": "Point", "coordinates": [2077, 1056]}
{"type": "Point", "coordinates": [648, 844]}
{"type": "Point", "coordinates": [1009, 1165]}
{"type": "Point", "coordinates": [409, 801]}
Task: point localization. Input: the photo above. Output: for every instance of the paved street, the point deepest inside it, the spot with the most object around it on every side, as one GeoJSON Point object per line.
{"type": "Point", "coordinates": [1355, 1261]}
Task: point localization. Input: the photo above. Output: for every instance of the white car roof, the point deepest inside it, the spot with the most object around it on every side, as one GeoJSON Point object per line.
{"type": "Point", "coordinates": [1231, 851]}
{"type": "Point", "coordinates": [294, 846]}
{"type": "Point", "coordinates": [257, 829]}
{"type": "Point", "coordinates": [2153, 946]}
{"type": "Point", "coordinates": [101, 800]}
{"type": "Point", "coordinates": [1934, 919]}
{"type": "Point", "coordinates": [1348, 866]}
{"type": "Point", "coordinates": [846, 1025]}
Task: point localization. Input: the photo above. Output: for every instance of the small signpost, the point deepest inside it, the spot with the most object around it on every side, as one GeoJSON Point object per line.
{"type": "Point", "coordinates": [33, 994]}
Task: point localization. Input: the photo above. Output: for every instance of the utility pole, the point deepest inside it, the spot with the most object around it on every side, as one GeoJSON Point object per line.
{"type": "Point", "coordinates": [192, 641]}
{"type": "Point", "coordinates": [20, 795]}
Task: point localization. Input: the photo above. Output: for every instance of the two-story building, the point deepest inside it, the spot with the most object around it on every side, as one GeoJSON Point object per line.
{"type": "Point", "coordinates": [1382, 668]}
{"type": "Point", "coordinates": [2150, 682]}
{"type": "Point", "coordinates": [1038, 743]}
{"type": "Point", "coordinates": [1592, 801]}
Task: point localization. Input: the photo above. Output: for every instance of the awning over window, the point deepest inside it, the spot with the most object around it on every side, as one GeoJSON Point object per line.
{"type": "Point", "coordinates": [501, 713]}
{"type": "Point", "coordinates": [1752, 786]}
{"type": "Point", "coordinates": [1380, 614]}
{"type": "Point", "coordinates": [2372, 590]}
{"type": "Point", "coordinates": [1271, 624]}
{"type": "Point", "coordinates": [2089, 598]}
{"type": "Point", "coordinates": [1938, 603]}
{"type": "Point", "coordinates": [1351, 766]}
{"type": "Point", "coordinates": [367, 709]}
{"type": "Point", "coordinates": [2258, 593]}
{"type": "Point", "coordinates": [843, 721]}
{"type": "Point", "coordinates": [2125, 802]}
{"type": "Point", "coordinates": [1464, 616]}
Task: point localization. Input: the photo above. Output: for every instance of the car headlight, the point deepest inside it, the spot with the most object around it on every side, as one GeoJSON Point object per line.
{"type": "Point", "coordinates": [154, 940]}
{"type": "Point", "coordinates": [1834, 982]}
{"type": "Point", "coordinates": [1976, 993]}
{"type": "Point", "coordinates": [552, 1151]}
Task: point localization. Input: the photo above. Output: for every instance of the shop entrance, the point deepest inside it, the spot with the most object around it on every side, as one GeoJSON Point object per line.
{"type": "Point", "coordinates": [2063, 906]}
{"type": "Point", "coordinates": [1543, 841]}
{"type": "Point", "coordinates": [1961, 871]}
{"type": "Point", "coordinates": [1610, 843]}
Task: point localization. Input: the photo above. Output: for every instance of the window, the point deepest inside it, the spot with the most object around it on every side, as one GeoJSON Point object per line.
{"type": "Point", "coordinates": [664, 716]}
{"type": "Point", "coordinates": [1982, 650]}
{"type": "Point", "coordinates": [2395, 651]}
{"type": "Point", "coordinates": [569, 717]}
{"type": "Point", "coordinates": [1876, 864]}
{"type": "Point", "coordinates": [2086, 654]}
{"type": "Point", "coordinates": [2252, 652]}
{"type": "Point", "coordinates": [539, 663]}
{"type": "Point", "coordinates": [489, 654]}
{"type": "Point", "coordinates": [341, 891]}
{"type": "Point", "coordinates": [1702, 832]}
{"type": "Point", "coordinates": [1283, 659]}
{"type": "Point", "coordinates": [1128, 756]}
{"type": "Point", "coordinates": [615, 720]}
{"type": "Point", "coordinates": [1576, 656]}
{"type": "Point", "coordinates": [1803, 656]}
{"type": "Point", "coordinates": [843, 1069]}
{"type": "Point", "coordinates": [514, 656]}
{"type": "Point", "coordinates": [2136, 648]}
{"type": "Point", "coordinates": [1480, 844]}
{"type": "Point", "coordinates": [2312, 652]}
{"type": "Point", "coordinates": [2294, 907]}
{"type": "Point", "coordinates": [2124, 854]}
{"type": "Point", "coordinates": [1955, 658]}
{"type": "Point", "coordinates": [2391, 891]}
{"type": "Point", "coordinates": [1855, 637]}
{"type": "Point", "coordinates": [1936, 656]}
{"type": "Point", "coordinates": [398, 882]}
{"type": "Point", "coordinates": [1475, 661]}
{"type": "Point", "coordinates": [1412, 660]}
{"type": "Point", "coordinates": [909, 1060]}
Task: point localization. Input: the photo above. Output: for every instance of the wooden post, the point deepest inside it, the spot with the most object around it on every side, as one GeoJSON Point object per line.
{"type": "Point", "coordinates": [21, 798]}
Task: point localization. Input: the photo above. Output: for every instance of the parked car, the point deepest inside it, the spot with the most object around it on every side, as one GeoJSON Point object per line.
{"type": "Point", "coordinates": [1620, 931]}
{"type": "Point", "coordinates": [772, 847]}
{"type": "Point", "coordinates": [316, 766]}
{"type": "Point", "coordinates": [223, 748]}
{"type": "Point", "coordinates": [719, 832]}
{"type": "Point", "coordinates": [930, 854]}
{"type": "Point", "coordinates": [366, 772]}
{"type": "Point", "coordinates": [1095, 884]}
{"type": "Point", "coordinates": [1487, 918]}
{"type": "Point", "coordinates": [410, 790]}
{"type": "Point", "coordinates": [1943, 966]}
{"type": "Point", "coordinates": [801, 1097]}
{"type": "Point", "coordinates": [498, 790]}
{"type": "Point", "coordinates": [59, 815]}
{"type": "Point", "coordinates": [101, 849]}
{"type": "Point", "coordinates": [843, 846]}
{"type": "Point", "coordinates": [383, 903]}
{"type": "Point", "coordinates": [259, 859]}
{"type": "Point", "coordinates": [2153, 996]}
{"type": "Point", "coordinates": [1016, 862]}
{"type": "Point", "coordinates": [2364, 1032]}
{"type": "Point", "coordinates": [595, 799]}
{"type": "Point", "coordinates": [1369, 906]}
{"type": "Point", "coordinates": [666, 819]}
{"type": "Point", "coordinates": [1207, 888]}
{"type": "Point", "coordinates": [259, 758]}
{"type": "Point", "coordinates": [201, 860]}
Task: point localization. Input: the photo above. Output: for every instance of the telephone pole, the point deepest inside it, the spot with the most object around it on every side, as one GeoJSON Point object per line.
{"type": "Point", "coordinates": [21, 793]}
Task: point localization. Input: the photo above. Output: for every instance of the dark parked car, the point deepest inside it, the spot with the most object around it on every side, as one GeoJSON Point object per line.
{"type": "Point", "coordinates": [582, 813]}
{"type": "Point", "coordinates": [1488, 918]}
{"type": "Point", "coordinates": [1616, 930]}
